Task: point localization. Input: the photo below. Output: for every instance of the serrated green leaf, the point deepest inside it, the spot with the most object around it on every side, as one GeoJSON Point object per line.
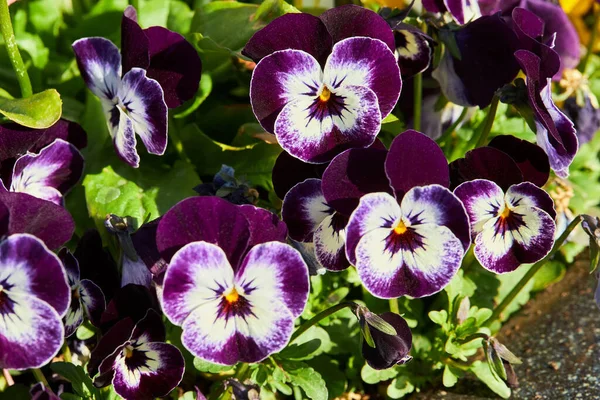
{"type": "Point", "coordinates": [306, 378]}
{"type": "Point", "coordinates": [206, 366]}
{"type": "Point", "coordinates": [329, 369]}
{"type": "Point", "coordinates": [483, 372]}
{"type": "Point", "coordinates": [438, 317]}
{"type": "Point", "coordinates": [81, 382]}
{"type": "Point", "coordinates": [39, 111]}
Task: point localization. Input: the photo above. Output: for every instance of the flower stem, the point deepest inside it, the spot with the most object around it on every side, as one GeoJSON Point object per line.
{"type": "Point", "coordinates": [486, 125]}
{"type": "Point", "coordinates": [593, 35]}
{"type": "Point", "coordinates": [446, 135]}
{"type": "Point", "coordinates": [13, 50]}
{"type": "Point", "coordinates": [66, 352]}
{"type": "Point", "coordinates": [9, 379]}
{"type": "Point", "coordinates": [532, 271]}
{"type": "Point", "coordinates": [417, 100]}
{"type": "Point", "coordinates": [322, 315]}
{"type": "Point", "coordinates": [39, 375]}
{"type": "Point", "coordinates": [394, 307]}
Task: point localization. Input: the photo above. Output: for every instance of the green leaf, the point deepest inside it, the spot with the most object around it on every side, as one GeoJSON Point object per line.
{"type": "Point", "coordinates": [153, 13]}
{"type": "Point", "coordinates": [371, 376]}
{"type": "Point", "coordinates": [82, 383]}
{"type": "Point", "coordinates": [329, 369]}
{"type": "Point", "coordinates": [400, 387]}
{"type": "Point", "coordinates": [380, 324]}
{"type": "Point", "coordinates": [206, 366]}
{"type": "Point", "coordinates": [485, 374]}
{"type": "Point", "coordinates": [180, 17]}
{"type": "Point", "coordinates": [552, 271]}
{"type": "Point", "coordinates": [271, 9]}
{"type": "Point", "coordinates": [310, 344]}
{"type": "Point", "coordinates": [39, 111]}
{"type": "Point", "coordinates": [451, 375]}
{"type": "Point", "coordinates": [439, 317]}
{"type": "Point", "coordinates": [16, 391]}
{"type": "Point", "coordinates": [85, 332]}
{"type": "Point", "coordinates": [307, 378]}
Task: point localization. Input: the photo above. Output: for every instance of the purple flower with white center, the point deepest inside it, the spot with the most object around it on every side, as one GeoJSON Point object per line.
{"type": "Point", "coordinates": [87, 299]}
{"type": "Point", "coordinates": [329, 91]}
{"type": "Point", "coordinates": [554, 131]}
{"type": "Point", "coordinates": [133, 104]}
{"type": "Point", "coordinates": [508, 228]}
{"type": "Point", "coordinates": [34, 295]}
{"type": "Point", "coordinates": [141, 366]}
{"type": "Point", "coordinates": [318, 210]}
{"type": "Point", "coordinates": [231, 284]}
{"type": "Point", "coordinates": [411, 244]}
{"type": "Point", "coordinates": [49, 174]}
{"type": "Point", "coordinates": [462, 11]}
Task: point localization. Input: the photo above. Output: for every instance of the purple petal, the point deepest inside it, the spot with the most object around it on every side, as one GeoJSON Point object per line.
{"type": "Point", "coordinates": [362, 61]}
{"type": "Point", "coordinates": [99, 62]}
{"type": "Point", "coordinates": [152, 370]}
{"type": "Point", "coordinates": [48, 221]}
{"type": "Point", "coordinates": [40, 392]}
{"type": "Point", "coordinates": [288, 171]}
{"type": "Point", "coordinates": [209, 219]}
{"type": "Point", "coordinates": [486, 163]}
{"type": "Point", "coordinates": [415, 160]}
{"type": "Point", "coordinates": [149, 329]}
{"type": "Point", "coordinates": [71, 266]}
{"type": "Point", "coordinates": [414, 50]}
{"type": "Point", "coordinates": [134, 43]}
{"type": "Point", "coordinates": [131, 301]}
{"type": "Point", "coordinates": [530, 158]}
{"type": "Point", "coordinates": [330, 241]}
{"type": "Point", "coordinates": [144, 242]}
{"type": "Point", "coordinates": [375, 210]}
{"type": "Point", "coordinates": [143, 100]}
{"type": "Point", "coordinates": [304, 208]}
{"type": "Point", "coordinates": [174, 64]}
{"type": "Point", "coordinates": [482, 199]}
{"type": "Point", "coordinates": [350, 21]}
{"type": "Point", "coordinates": [352, 174]}
{"type": "Point", "coordinates": [109, 342]}
{"type": "Point", "coordinates": [280, 78]}
{"type": "Point", "coordinates": [264, 225]}
{"type": "Point", "coordinates": [482, 68]}
{"type": "Point", "coordinates": [49, 174]}
{"type": "Point", "coordinates": [31, 331]}
{"type": "Point", "coordinates": [389, 349]}
{"type": "Point", "coordinates": [291, 31]}
{"type": "Point", "coordinates": [463, 10]}
{"type": "Point", "coordinates": [276, 271]}
{"type": "Point", "coordinates": [123, 135]}
{"type": "Point", "coordinates": [74, 316]}
{"type": "Point", "coordinates": [434, 6]}
{"type": "Point", "coordinates": [92, 300]}
{"type": "Point", "coordinates": [532, 196]}
{"type": "Point", "coordinates": [135, 272]}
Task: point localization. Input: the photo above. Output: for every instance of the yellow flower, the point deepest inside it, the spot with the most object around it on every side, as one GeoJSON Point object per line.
{"type": "Point", "coordinates": [577, 10]}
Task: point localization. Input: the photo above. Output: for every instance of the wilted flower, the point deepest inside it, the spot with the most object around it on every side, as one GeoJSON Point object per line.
{"type": "Point", "coordinates": [591, 226]}
{"type": "Point", "coordinates": [34, 295]}
{"type": "Point", "coordinates": [501, 360]}
{"type": "Point", "coordinates": [387, 339]}
{"type": "Point", "coordinates": [508, 228]}
{"type": "Point", "coordinates": [412, 244]}
{"type": "Point", "coordinates": [328, 91]}
{"type": "Point", "coordinates": [232, 284]}
{"type": "Point", "coordinates": [87, 298]}
{"type": "Point", "coordinates": [140, 365]}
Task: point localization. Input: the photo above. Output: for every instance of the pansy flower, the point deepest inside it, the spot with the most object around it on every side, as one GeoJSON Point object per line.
{"type": "Point", "coordinates": [317, 210]}
{"type": "Point", "coordinates": [87, 299]}
{"type": "Point", "coordinates": [462, 11]}
{"type": "Point", "coordinates": [554, 131]}
{"type": "Point", "coordinates": [34, 295]}
{"type": "Point", "coordinates": [511, 227]}
{"type": "Point", "coordinates": [141, 366]}
{"type": "Point", "coordinates": [232, 284]}
{"type": "Point", "coordinates": [324, 84]}
{"type": "Point", "coordinates": [411, 243]}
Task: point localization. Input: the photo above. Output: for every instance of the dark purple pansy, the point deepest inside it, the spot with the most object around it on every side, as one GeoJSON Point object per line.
{"type": "Point", "coordinates": [554, 131]}
{"type": "Point", "coordinates": [317, 98]}
{"type": "Point", "coordinates": [508, 228]}
{"type": "Point", "coordinates": [231, 284]}
{"type": "Point", "coordinates": [141, 365]}
{"type": "Point", "coordinates": [165, 55]}
{"type": "Point", "coordinates": [411, 244]}
{"type": "Point", "coordinates": [586, 118]}
{"type": "Point", "coordinates": [506, 161]}
{"type": "Point", "coordinates": [486, 47]}
{"type": "Point", "coordinates": [462, 11]}
{"type": "Point", "coordinates": [34, 295]}
{"type": "Point", "coordinates": [87, 299]}
{"type": "Point", "coordinates": [389, 349]}
{"type": "Point", "coordinates": [133, 104]}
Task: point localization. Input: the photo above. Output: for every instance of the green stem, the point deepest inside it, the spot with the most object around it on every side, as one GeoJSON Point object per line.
{"type": "Point", "coordinates": [593, 35]}
{"type": "Point", "coordinates": [394, 307]}
{"type": "Point", "coordinates": [9, 379]}
{"type": "Point", "coordinates": [39, 375]}
{"type": "Point", "coordinates": [532, 271]}
{"type": "Point", "coordinates": [473, 337]}
{"type": "Point", "coordinates": [446, 135]}
{"type": "Point", "coordinates": [418, 101]}
{"type": "Point", "coordinates": [322, 315]}
{"type": "Point", "coordinates": [486, 125]}
{"type": "Point", "coordinates": [13, 50]}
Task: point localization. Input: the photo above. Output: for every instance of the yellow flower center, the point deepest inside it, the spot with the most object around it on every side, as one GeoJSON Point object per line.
{"type": "Point", "coordinates": [400, 228]}
{"type": "Point", "coordinates": [325, 94]}
{"type": "Point", "coordinates": [128, 350]}
{"type": "Point", "coordinates": [505, 213]}
{"type": "Point", "coordinates": [232, 296]}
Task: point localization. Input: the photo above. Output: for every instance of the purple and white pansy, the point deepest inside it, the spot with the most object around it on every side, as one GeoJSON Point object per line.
{"type": "Point", "coordinates": [411, 244]}
{"type": "Point", "coordinates": [511, 227]}
{"type": "Point", "coordinates": [34, 296]}
{"type": "Point", "coordinates": [329, 91]}
{"type": "Point", "coordinates": [141, 366]}
{"type": "Point", "coordinates": [232, 284]}
{"type": "Point", "coordinates": [87, 299]}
